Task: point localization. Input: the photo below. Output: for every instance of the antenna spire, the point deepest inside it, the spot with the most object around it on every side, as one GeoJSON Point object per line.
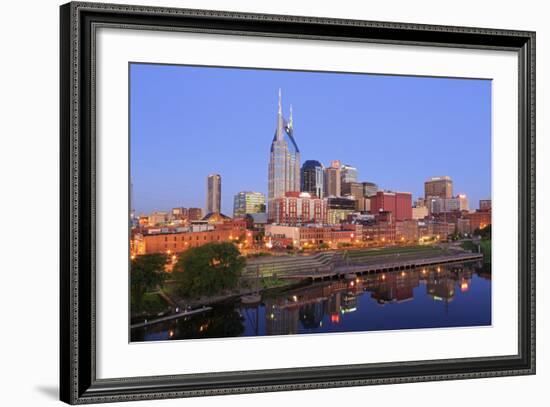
{"type": "Point", "coordinates": [290, 118]}
{"type": "Point", "coordinates": [280, 102]}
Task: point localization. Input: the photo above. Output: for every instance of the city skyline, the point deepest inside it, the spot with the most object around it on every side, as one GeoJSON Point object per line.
{"type": "Point", "coordinates": [394, 162]}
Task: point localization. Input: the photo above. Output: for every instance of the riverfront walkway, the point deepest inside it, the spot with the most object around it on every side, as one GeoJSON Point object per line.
{"type": "Point", "coordinates": [334, 264]}
{"type": "Point", "coordinates": [360, 269]}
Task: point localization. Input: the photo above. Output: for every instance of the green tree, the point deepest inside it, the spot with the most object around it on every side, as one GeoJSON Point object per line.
{"type": "Point", "coordinates": [484, 233]}
{"type": "Point", "coordinates": [146, 273]}
{"type": "Point", "coordinates": [208, 269]}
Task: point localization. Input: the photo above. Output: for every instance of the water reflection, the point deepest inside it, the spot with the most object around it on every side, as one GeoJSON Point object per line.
{"type": "Point", "coordinates": [441, 296]}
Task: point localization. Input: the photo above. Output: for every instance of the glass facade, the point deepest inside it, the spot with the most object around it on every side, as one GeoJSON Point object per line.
{"type": "Point", "coordinates": [284, 160]}
{"type": "Point", "coordinates": [213, 193]}
{"type": "Point", "coordinates": [348, 173]}
{"type": "Point", "coordinates": [313, 178]}
{"type": "Point", "coordinates": [248, 202]}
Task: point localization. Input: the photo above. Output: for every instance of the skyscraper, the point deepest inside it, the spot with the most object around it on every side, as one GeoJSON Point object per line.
{"type": "Point", "coordinates": [284, 160]}
{"type": "Point", "coordinates": [312, 177]}
{"type": "Point", "coordinates": [441, 187]}
{"type": "Point", "coordinates": [213, 193]}
{"type": "Point", "coordinates": [333, 182]}
{"type": "Point", "coordinates": [348, 173]}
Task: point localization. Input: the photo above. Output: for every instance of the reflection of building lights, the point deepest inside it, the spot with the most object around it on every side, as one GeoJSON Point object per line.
{"type": "Point", "coordinates": [335, 318]}
{"type": "Point", "coordinates": [464, 286]}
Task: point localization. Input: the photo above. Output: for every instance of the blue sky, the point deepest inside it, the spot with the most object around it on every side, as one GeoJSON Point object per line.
{"type": "Point", "coordinates": [188, 122]}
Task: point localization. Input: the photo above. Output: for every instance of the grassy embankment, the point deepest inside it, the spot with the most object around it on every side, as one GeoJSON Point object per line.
{"type": "Point", "coordinates": [355, 255]}
{"type": "Point", "coordinates": [485, 246]}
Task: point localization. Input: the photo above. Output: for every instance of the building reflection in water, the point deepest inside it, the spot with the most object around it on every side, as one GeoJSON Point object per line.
{"type": "Point", "coordinates": [309, 305]}
{"type": "Point", "coordinates": [306, 309]}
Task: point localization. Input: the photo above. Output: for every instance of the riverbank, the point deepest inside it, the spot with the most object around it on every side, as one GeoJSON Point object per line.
{"type": "Point", "coordinates": [176, 305]}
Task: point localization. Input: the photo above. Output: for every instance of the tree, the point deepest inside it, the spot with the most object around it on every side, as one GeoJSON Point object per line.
{"type": "Point", "coordinates": [208, 269]}
{"type": "Point", "coordinates": [146, 273]}
{"type": "Point", "coordinates": [484, 233]}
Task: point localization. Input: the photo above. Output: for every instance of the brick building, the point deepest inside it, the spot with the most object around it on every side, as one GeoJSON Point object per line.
{"type": "Point", "coordinates": [398, 203]}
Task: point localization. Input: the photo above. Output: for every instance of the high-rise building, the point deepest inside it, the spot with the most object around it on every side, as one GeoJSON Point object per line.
{"type": "Point", "coordinates": [333, 181]}
{"type": "Point", "coordinates": [355, 190]}
{"type": "Point", "coordinates": [213, 193]}
{"type": "Point", "coordinates": [441, 187]}
{"type": "Point", "coordinates": [398, 203]}
{"type": "Point", "coordinates": [348, 173]}
{"type": "Point", "coordinates": [284, 161]}
{"type": "Point", "coordinates": [369, 188]}
{"type": "Point", "coordinates": [312, 177]}
{"type": "Point", "coordinates": [248, 202]}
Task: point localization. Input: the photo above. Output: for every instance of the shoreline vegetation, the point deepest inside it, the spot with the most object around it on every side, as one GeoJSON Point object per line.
{"type": "Point", "coordinates": [216, 273]}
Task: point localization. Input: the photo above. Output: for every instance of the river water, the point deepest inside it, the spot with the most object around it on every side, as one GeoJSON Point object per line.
{"type": "Point", "coordinates": [455, 295]}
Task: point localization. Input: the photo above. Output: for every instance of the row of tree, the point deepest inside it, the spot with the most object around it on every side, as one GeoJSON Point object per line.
{"type": "Point", "coordinates": [205, 270]}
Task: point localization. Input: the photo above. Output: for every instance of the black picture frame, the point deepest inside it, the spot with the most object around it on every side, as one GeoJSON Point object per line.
{"type": "Point", "coordinates": [78, 382]}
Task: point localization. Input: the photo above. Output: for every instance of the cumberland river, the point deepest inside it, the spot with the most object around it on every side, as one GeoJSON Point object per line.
{"type": "Point", "coordinates": [454, 295]}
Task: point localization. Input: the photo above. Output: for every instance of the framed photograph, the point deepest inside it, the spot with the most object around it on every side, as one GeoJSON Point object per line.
{"type": "Point", "coordinates": [255, 203]}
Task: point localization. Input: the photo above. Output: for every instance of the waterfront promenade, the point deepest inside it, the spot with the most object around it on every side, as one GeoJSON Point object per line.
{"type": "Point", "coordinates": [336, 264]}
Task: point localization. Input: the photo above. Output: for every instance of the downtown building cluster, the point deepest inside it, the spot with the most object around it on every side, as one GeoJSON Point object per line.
{"type": "Point", "coordinates": [310, 205]}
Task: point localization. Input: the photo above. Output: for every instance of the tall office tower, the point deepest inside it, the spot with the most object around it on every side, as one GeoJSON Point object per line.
{"type": "Point", "coordinates": [248, 202]}
{"type": "Point", "coordinates": [213, 193]}
{"type": "Point", "coordinates": [441, 187]}
{"type": "Point", "coordinates": [284, 161]}
{"type": "Point", "coordinates": [333, 181]}
{"type": "Point", "coordinates": [354, 189]}
{"type": "Point", "coordinates": [312, 176]}
{"type": "Point", "coordinates": [348, 173]}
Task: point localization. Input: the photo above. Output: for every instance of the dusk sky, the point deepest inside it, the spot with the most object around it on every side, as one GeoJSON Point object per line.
{"type": "Point", "coordinates": [188, 122]}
